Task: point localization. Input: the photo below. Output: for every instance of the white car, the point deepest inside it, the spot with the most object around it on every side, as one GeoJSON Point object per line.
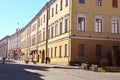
{"type": "Point", "coordinates": [1, 58]}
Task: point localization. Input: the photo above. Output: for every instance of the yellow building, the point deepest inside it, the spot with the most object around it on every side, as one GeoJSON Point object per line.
{"type": "Point", "coordinates": [69, 31]}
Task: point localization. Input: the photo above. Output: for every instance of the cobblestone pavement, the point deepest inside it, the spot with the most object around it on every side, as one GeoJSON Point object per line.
{"type": "Point", "coordinates": [18, 70]}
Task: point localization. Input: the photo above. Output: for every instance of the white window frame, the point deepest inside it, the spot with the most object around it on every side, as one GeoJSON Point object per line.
{"type": "Point", "coordinates": [49, 33]}
{"type": "Point", "coordinates": [118, 19]}
{"type": "Point", "coordinates": [56, 29]}
{"type": "Point", "coordinates": [68, 23]}
{"type": "Point", "coordinates": [98, 2]}
{"type": "Point", "coordinates": [60, 20]}
{"type": "Point", "coordinates": [99, 17]}
{"type": "Point", "coordinates": [81, 15]}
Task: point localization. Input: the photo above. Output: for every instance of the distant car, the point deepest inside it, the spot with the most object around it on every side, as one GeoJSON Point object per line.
{"type": "Point", "coordinates": [0, 58]}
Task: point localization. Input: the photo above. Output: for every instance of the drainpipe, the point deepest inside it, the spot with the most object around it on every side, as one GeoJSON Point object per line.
{"type": "Point", "coordinates": [69, 36]}
{"type": "Point", "coordinates": [47, 32]}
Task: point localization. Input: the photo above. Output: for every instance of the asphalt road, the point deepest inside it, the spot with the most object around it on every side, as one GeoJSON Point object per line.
{"type": "Point", "coordinates": [12, 71]}
{"type": "Point", "coordinates": [15, 70]}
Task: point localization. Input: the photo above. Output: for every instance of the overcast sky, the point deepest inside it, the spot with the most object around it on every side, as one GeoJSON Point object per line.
{"type": "Point", "coordinates": [17, 11]}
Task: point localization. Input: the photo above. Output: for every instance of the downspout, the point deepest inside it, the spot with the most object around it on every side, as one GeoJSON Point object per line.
{"type": "Point", "coordinates": [47, 33]}
{"type": "Point", "coordinates": [69, 36]}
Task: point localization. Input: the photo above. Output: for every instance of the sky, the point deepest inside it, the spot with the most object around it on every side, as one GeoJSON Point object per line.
{"type": "Point", "coordinates": [13, 12]}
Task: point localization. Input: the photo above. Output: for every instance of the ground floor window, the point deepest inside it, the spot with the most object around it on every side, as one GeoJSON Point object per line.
{"type": "Point", "coordinates": [66, 49]}
{"type": "Point", "coordinates": [81, 50]}
{"type": "Point", "coordinates": [98, 50]}
{"type": "Point", "coordinates": [60, 51]}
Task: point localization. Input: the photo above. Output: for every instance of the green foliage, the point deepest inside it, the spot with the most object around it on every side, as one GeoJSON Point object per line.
{"type": "Point", "coordinates": [103, 62]}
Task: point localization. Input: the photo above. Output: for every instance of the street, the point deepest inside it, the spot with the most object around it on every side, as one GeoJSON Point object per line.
{"type": "Point", "coordinates": [15, 70]}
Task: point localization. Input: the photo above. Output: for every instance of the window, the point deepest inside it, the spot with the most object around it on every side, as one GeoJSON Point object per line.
{"type": "Point", "coordinates": [51, 52]}
{"type": "Point", "coordinates": [33, 40]}
{"type": "Point", "coordinates": [115, 3]}
{"type": "Point", "coordinates": [98, 50]}
{"type": "Point", "coordinates": [98, 25]}
{"type": "Point", "coordinates": [81, 50]}
{"type": "Point", "coordinates": [115, 47]}
{"type": "Point", "coordinates": [115, 26]}
{"type": "Point", "coordinates": [48, 52]}
{"type": "Point", "coordinates": [56, 29]}
{"type": "Point", "coordinates": [66, 25]}
{"type": "Point", "coordinates": [48, 33]}
{"type": "Point", "coordinates": [52, 12]}
{"type": "Point", "coordinates": [43, 35]}
{"type": "Point", "coordinates": [81, 24]}
{"type": "Point", "coordinates": [60, 51]}
{"type": "Point", "coordinates": [66, 49]}
{"type": "Point", "coordinates": [48, 14]}
{"type": "Point", "coordinates": [41, 21]}
{"type": "Point", "coordinates": [55, 51]}
{"type": "Point", "coordinates": [39, 37]}
{"type": "Point", "coordinates": [44, 18]}
{"type": "Point", "coordinates": [60, 5]}
{"type": "Point", "coordinates": [52, 32]}
{"type": "Point", "coordinates": [82, 1]}
{"type": "Point", "coordinates": [33, 27]}
{"type": "Point", "coordinates": [66, 3]}
{"type": "Point", "coordinates": [60, 28]}
{"type": "Point", "coordinates": [38, 22]}
{"type": "Point", "coordinates": [56, 8]}
{"type": "Point", "coordinates": [99, 2]}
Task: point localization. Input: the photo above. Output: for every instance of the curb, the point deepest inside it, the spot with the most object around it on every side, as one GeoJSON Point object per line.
{"type": "Point", "coordinates": [48, 65]}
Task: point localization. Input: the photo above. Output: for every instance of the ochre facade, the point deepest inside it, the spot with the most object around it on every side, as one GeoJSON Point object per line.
{"type": "Point", "coordinates": [69, 31]}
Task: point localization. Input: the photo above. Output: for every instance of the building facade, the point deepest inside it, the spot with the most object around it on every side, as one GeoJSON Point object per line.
{"type": "Point", "coordinates": [14, 45]}
{"type": "Point", "coordinates": [4, 47]}
{"type": "Point", "coordinates": [70, 31]}
{"type": "Point", "coordinates": [95, 28]}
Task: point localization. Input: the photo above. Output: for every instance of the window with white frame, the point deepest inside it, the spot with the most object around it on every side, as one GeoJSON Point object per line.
{"type": "Point", "coordinates": [55, 55]}
{"type": "Point", "coordinates": [66, 4]}
{"type": "Point", "coordinates": [66, 26]}
{"type": "Point", "coordinates": [56, 29]}
{"type": "Point", "coordinates": [41, 21]}
{"type": "Point", "coordinates": [39, 37]}
{"type": "Point", "coordinates": [48, 33]}
{"type": "Point", "coordinates": [56, 8]}
{"type": "Point", "coordinates": [98, 24]}
{"type": "Point", "coordinates": [44, 18]}
{"type": "Point", "coordinates": [51, 52]}
{"type": "Point", "coordinates": [33, 40]}
{"type": "Point", "coordinates": [34, 27]}
{"type": "Point", "coordinates": [43, 35]}
{"type": "Point", "coordinates": [61, 5]}
{"type": "Point", "coordinates": [99, 2]}
{"type": "Point", "coordinates": [38, 22]}
{"type": "Point", "coordinates": [115, 25]}
{"type": "Point", "coordinates": [52, 28]}
{"type": "Point", "coordinates": [52, 12]}
{"type": "Point", "coordinates": [61, 25]}
{"type": "Point", "coordinates": [81, 22]}
{"type": "Point", "coordinates": [60, 51]}
{"type": "Point", "coordinates": [66, 49]}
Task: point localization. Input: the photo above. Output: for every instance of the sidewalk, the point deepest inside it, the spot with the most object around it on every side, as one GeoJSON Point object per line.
{"type": "Point", "coordinates": [47, 65]}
